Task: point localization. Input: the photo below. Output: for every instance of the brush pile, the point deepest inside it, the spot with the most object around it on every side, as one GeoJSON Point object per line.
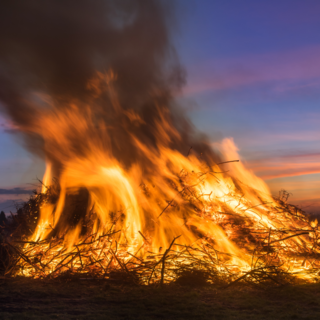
{"type": "Point", "coordinates": [286, 250]}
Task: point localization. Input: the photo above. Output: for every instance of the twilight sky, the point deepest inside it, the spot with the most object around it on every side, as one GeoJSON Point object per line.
{"type": "Point", "coordinates": [253, 73]}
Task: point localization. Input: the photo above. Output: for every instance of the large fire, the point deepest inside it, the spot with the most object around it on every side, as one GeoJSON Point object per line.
{"type": "Point", "coordinates": [182, 208]}
{"type": "Point", "coordinates": [130, 186]}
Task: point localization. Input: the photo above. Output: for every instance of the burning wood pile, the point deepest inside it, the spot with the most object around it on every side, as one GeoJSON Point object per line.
{"type": "Point", "coordinates": [121, 193]}
{"type": "Point", "coordinates": [235, 240]}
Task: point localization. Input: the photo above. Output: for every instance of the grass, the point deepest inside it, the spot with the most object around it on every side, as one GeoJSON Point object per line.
{"type": "Point", "coordinates": [89, 299]}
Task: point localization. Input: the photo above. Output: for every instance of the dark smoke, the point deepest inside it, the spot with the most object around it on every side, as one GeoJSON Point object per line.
{"type": "Point", "coordinates": [54, 47]}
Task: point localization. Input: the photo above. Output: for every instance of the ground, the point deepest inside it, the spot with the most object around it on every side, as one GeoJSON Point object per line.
{"type": "Point", "coordinates": [91, 299]}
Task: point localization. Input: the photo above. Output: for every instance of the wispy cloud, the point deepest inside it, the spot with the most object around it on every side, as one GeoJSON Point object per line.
{"type": "Point", "coordinates": [287, 165]}
{"type": "Point", "coordinates": [11, 198]}
{"type": "Point", "coordinates": [299, 174]}
{"type": "Point", "coordinates": [286, 71]}
{"type": "Point", "coordinates": [15, 191]}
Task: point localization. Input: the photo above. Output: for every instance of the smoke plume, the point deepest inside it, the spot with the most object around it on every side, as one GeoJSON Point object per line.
{"type": "Point", "coordinates": [56, 53]}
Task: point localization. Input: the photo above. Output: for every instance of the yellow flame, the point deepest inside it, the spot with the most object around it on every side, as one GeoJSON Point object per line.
{"type": "Point", "coordinates": [148, 200]}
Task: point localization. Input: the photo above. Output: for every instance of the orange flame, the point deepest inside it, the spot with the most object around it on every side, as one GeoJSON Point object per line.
{"type": "Point", "coordinates": [151, 202]}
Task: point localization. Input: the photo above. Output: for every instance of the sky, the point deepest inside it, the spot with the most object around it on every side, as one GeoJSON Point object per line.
{"type": "Point", "coordinates": [253, 73]}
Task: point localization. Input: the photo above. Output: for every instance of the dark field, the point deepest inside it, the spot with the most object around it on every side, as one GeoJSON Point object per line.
{"type": "Point", "coordinates": [88, 299]}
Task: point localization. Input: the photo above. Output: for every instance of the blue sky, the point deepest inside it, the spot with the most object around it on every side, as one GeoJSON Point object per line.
{"type": "Point", "coordinates": [253, 73]}
{"type": "Point", "coordinates": [19, 170]}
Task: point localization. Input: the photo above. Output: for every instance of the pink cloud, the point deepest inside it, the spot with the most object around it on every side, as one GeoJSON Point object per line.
{"type": "Point", "coordinates": [298, 174]}
{"type": "Point", "coordinates": [285, 166]}
{"type": "Point", "coordinates": [273, 144]}
{"type": "Point", "coordinates": [291, 70]}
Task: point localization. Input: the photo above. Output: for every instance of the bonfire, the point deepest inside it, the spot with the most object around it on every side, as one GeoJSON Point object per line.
{"type": "Point", "coordinates": [169, 214]}
{"type": "Point", "coordinates": [130, 187]}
